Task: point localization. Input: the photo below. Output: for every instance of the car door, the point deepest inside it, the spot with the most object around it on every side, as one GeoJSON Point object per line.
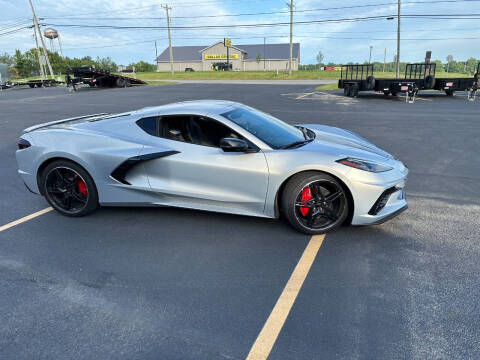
{"type": "Point", "coordinates": [201, 175]}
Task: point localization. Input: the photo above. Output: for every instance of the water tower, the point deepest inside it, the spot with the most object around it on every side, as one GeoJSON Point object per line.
{"type": "Point", "coordinates": [52, 34]}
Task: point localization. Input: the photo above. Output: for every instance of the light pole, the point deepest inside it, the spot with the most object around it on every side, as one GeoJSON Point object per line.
{"type": "Point", "coordinates": [398, 41]}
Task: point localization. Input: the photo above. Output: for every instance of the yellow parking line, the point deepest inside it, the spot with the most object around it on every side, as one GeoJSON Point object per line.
{"type": "Point", "coordinates": [25, 218]}
{"type": "Point", "coordinates": [269, 333]}
{"type": "Point", "coordinates": [304, 95]}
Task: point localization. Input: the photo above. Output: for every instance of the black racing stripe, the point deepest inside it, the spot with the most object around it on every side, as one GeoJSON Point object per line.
{"type": "Point", "coordinates": [121, 170]}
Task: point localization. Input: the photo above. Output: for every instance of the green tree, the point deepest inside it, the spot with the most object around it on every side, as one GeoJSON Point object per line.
{"type": "Point", "coordinates": [320, 58]}
{"type": "Point", "coordinates": [143, 66]}
{"type": "Point", "coordinates": [24, 65]}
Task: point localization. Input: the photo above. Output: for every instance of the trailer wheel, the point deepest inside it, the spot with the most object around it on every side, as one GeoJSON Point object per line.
{"type": "Point", "coordinates": [386, 92]}
{"type": "Point", "coordinates": [346, 90]}
{"type": "Point", "coordinates": [429, 82]}
{"type": "Point", "coordinates": [450, 92]}
{"type": "Point", "coordinates": [39, 85]}
{"type": "Point", "coordinates": [121, 82]}
{"type": "Point", "coordinates": [394, 93]}
{"type": "Point", "coordinates": [370, 82]}
{"type": "Point", "coordinates": [31, 85]}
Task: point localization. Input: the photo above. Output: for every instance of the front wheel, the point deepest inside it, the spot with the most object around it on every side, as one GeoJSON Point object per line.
{"type": "Point", "coordinates": [69, 188]}
{"type": "Point", "coordinates": [314, 203]}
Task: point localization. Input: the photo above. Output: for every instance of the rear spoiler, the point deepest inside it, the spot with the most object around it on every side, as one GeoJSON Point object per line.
{"type": "Point", "coordinates": [36, 127]}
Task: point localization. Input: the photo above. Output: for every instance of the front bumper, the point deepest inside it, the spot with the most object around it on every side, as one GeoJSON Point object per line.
{"type": "Point", "coordinates": [379, 197]}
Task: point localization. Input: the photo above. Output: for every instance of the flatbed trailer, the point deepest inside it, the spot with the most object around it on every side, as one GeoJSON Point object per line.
{"type": "Point", "coordinates": [418, 76]}
{"type": "Point", "coordinates": [97, 77]}
{"type": "Point", "coordinates": [32, 83]}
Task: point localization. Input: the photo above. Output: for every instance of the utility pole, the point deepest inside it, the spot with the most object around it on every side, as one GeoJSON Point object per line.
{"type": "Point", "coordinates": [37, 27]}
{"type": "Point", "coordinates": [384, 58]}
{"type": "Point", "coordinates": [398, 41]}
{"type": "Point", "coordinates": [370, 57]}
{"type": "Point", "coordinates": [156, 51]}
{"type": "Point", "coordinates": [42, 71]}
{"type": "Point", "coordinates": [264, 55]}
{"type": "Point", "coordinates": [291, 38]}
{"type": "Point", "coordinates": [166, 7]}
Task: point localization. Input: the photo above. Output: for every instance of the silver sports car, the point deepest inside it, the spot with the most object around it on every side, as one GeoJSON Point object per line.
{"type": "Point", "coordinates": [213, 155]}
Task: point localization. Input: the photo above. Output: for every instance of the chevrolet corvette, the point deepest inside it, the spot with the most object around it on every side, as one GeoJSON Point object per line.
{"type": "Point", "coordinates": [217, 156]}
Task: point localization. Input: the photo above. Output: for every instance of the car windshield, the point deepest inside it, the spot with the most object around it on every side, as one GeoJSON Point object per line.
{"type": "Point", "coordinates": [272, 131]}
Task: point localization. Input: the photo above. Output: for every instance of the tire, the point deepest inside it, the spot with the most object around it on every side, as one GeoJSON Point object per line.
{"type": "Point", "coordinates": [120, 82]}
{"type": "Point", "coordinates": [68, 188]}
{"type": "Point", "coordinates": [319, 215]}
{"type": "Point", "coordinates": [386, 93]}
{"type": "Point", "coordinates": [31, 85]}
{"type": "Point", "coordinates": [429, 82]}
{"type": "Point", "coordinates": [371, 82]}
{"type": "Point", "coordinates": [394, 93]}
{"type": "Point", "coordinates": [347, 90]}
{"type": "Point", "coordinates": [450, 92]}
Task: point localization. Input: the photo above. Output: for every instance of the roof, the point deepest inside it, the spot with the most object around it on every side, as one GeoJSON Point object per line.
{"type": "Point", "coordinates": [194, 53]}
{"type": "Point", "coordinates": [192, 106]}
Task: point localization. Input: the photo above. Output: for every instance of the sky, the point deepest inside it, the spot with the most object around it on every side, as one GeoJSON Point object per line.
{"type": "Point", "coordinates": [339, 42]}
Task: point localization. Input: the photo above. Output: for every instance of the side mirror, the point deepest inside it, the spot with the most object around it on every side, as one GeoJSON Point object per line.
{"type": "Point", "coordinates": [234, 145]}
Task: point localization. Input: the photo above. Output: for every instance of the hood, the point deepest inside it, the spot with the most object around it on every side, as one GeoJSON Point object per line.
{"type": "Point", "coordinates": [345, 140]}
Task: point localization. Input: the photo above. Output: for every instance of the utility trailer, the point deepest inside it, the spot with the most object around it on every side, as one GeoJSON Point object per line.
{"type": "Point", "coordinates": [356, 78]}
{"type": "Point", "coordinates": [97, 77]}
{"type": "Point", "coordinates": [451, 85]}
{"type": "Point", "coordinates": [418, 76]}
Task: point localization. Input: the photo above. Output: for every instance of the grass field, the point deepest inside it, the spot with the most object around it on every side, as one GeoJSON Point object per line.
{"type": "Point", "coordinates": [248, 75]}
{"type": "Point", "coordinates": [332, 86]}
{"type": "Point", "coordinates": [261, 75]}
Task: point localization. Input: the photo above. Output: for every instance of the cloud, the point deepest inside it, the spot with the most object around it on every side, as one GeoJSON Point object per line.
{"type": "Point", "coordinates": [125, 46]}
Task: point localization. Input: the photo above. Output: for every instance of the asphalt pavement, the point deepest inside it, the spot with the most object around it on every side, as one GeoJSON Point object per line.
{"type": "Point", "coordinates": [158, 283]}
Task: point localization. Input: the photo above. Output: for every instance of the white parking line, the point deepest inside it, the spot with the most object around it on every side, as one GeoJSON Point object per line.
{"type": "Point", "coordinates": [269, 333]}
{"type": "Point", "coordinates": [24, 219]}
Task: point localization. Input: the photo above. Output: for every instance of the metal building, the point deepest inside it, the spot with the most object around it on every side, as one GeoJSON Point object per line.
{"type": "Point", "coordinates": [256, 57]}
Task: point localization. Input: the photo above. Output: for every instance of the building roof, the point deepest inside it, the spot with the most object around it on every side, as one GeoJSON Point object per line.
{"type": "Point", "coordinates": [194, 53]}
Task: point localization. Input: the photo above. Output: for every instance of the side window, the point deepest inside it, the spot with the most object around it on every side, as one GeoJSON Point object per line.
{"type": "Point", "coordinates": [193, 129]}
{"type": "Point", "coordinates": [149, 125]}
{"type": "Point", "coordinates": [208, 132]}
{"type": "Point", "coordinates": [175, 127]}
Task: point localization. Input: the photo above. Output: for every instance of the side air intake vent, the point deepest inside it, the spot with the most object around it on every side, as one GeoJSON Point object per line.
{"type": "Point", "coordinates": [382, 201]}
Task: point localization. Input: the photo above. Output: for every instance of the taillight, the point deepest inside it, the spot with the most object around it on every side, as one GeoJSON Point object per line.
{"type": "Point", "coordinates": [23, 144]}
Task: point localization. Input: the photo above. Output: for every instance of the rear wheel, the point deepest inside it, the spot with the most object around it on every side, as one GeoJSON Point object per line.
{"type": "Point", "coordinates": [449, 92]}
{"type": "Point", "coordinates": [346, 90]}
{"type": "Point", "coordinates": [69, 188]}
{"type": "Point", "coordinates": [314, 203]}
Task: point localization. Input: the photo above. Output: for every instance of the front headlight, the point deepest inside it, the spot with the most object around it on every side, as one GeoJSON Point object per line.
{"type": "Point", "coordinates": [364, 165]}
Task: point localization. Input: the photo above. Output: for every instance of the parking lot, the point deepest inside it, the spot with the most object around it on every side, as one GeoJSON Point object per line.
{"type": "Point", "coordinates": [162, 283]}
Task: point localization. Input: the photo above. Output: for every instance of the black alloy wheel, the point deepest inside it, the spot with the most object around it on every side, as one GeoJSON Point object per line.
{"type": "Point", "coordinates": [69, 189]}
{"type": "Point", "coordinates": [315, 203]}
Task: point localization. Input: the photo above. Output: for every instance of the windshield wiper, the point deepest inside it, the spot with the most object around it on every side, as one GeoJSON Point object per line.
{"type": "Point", "coordinates": [296, 144]}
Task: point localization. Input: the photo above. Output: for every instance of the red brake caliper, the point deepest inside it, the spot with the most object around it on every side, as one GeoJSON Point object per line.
{"type": "Point", "coordinates": [82, 188]}
{"type": "Point", "coordinates": [306, 195]}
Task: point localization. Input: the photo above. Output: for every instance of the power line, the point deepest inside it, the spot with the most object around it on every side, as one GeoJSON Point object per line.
{"type": "Point", "coordinates": [259, 13]}
{"type": "Point", "coordinates": [15, 30]}
{"type": "Point", "coordinates": [354, 19]}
